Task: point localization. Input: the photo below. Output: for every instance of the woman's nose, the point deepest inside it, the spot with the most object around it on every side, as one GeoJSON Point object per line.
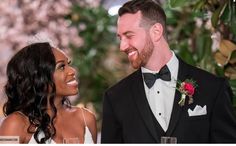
{"type": "Point", "coordinates": [71, 71]}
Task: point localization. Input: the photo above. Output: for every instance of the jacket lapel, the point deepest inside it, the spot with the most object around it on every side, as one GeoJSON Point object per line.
{"type": "Point", "coordinates": [140, 99]}
{"type": "Point", "coordinates": [176, 111]}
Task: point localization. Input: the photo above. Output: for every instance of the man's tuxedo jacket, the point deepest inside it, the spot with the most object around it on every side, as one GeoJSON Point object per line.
{"type": "Point", "coordinates": [127, 117]}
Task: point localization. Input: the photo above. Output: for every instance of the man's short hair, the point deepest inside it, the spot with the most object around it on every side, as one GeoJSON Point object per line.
{"type": "Point", "coordinates": [151, 12]}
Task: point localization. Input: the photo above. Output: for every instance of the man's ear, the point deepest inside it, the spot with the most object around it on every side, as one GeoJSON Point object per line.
{"type": "Point", "coordinates": [156, 32]}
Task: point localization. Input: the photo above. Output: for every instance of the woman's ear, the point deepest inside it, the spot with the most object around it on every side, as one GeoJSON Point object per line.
{"type": "Point", "coordinates": [156, 32]}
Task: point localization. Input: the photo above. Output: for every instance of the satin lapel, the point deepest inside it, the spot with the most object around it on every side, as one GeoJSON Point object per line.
{"type": "Point", "coordinates": [176, 111]}
{"type": "Point", "coordinates": [139, 97]}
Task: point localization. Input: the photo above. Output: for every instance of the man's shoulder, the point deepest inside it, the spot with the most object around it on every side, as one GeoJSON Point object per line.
{"type": "Point", "coordinates": [204, 78]}
{"type": "Point", "coordinates": [125, 83]}
{"type": "Point", "coordinates": [201, 73]}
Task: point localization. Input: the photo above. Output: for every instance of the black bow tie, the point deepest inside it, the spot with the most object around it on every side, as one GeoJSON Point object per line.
{"type": "Point", "coordinates": [163, 74]}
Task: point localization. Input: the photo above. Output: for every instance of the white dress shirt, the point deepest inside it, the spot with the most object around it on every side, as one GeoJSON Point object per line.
{"type": "Point", "coordinates": [161, 95]}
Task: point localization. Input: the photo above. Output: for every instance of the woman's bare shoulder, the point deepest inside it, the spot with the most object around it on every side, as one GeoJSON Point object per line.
{"type": "Point", "coordinates": [88, 114]}
{"type": "Point", "coordinates": [13, 124]}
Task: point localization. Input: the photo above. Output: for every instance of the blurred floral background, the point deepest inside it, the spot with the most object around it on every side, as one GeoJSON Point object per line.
{"type": "Point", "coordinates": [202, 32]}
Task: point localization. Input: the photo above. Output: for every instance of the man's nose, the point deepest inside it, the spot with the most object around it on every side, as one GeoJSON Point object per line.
{"type": "Point", "coordinates": [123, 45]}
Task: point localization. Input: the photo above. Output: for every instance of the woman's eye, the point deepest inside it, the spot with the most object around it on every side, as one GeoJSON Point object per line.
{"type": "Point", "coordinates": [61, 67]}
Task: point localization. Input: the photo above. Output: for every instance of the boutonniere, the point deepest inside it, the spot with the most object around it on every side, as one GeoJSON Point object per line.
{"type": "Point", "coordinates": [187, 89]}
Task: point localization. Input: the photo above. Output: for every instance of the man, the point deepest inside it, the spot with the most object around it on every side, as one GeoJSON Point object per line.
{"type": "Point", "coordinates": [139, 109]}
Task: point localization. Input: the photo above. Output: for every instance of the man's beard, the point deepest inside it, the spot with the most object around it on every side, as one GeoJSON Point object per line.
{"type": "Point", "coordinates": [144, 55]}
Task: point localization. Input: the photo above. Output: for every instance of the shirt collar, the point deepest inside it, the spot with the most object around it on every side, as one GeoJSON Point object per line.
{"type": "Point", "coordinates": [172, 65]}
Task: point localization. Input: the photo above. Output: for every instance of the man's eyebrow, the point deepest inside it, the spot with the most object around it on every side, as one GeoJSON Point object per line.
{"type": "Point", "coordinates": [126, 33]}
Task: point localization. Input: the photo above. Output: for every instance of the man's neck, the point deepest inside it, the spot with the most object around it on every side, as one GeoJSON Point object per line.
{"type": "Point", "coordinates": [159, 58]}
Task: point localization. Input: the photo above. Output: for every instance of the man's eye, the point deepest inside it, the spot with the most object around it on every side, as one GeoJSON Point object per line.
{"type": "Point", "coordinates": [129, 36]}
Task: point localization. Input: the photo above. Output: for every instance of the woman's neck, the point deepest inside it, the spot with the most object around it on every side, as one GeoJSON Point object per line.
{"type": "Point", "coordinates": [58, 105]}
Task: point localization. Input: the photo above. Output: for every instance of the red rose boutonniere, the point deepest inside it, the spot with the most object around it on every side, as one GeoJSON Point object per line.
{"type": "Point", "coordinates": [186, 88]}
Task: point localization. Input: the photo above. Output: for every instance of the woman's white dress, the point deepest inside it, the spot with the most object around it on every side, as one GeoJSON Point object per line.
{"type": "Point", "coordinates": [87, 138]}
{"type": "Point", "coordinates": [87, 135]}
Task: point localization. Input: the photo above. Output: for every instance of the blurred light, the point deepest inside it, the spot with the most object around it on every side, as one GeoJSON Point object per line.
{"type": "Point", "coordinates": [114, 10]}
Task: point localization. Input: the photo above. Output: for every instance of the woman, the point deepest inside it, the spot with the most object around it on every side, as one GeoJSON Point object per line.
{"type": "Point", "coordinates": [37, 110]}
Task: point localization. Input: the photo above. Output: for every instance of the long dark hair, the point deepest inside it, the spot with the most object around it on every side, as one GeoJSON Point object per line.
{"type": "Point", "coordinates": [30, 83]}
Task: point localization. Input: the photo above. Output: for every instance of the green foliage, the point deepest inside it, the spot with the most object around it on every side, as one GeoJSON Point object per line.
{"type": "Point", "coordinates": [96, 28]}
{"type": "Point", "coordinates": [216, 15]}
{"type": "Point", "coordinates": [179, 3]}
{"type": "Point", "coordinates": [191, 41]}
{"type": "Point", "coordinates": [184, 37]}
